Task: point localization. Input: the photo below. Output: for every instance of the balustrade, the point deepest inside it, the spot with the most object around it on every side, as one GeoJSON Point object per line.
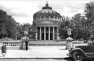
{"type": "Point", "coordinates": [11, 43]}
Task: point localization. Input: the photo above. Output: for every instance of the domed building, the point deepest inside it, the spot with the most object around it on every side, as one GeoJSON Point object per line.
{"type": "Point", "coordinates": [47, 22]}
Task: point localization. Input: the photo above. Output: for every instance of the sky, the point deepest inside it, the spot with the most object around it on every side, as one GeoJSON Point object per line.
{"type": "Point", "coordinates": [23, 10]}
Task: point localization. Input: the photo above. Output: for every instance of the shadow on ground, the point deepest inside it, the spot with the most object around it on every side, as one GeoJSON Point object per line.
{"type": "Point", "coordinates": [89, 59]}
{"type": "Point", "coordinates": [86, 59]}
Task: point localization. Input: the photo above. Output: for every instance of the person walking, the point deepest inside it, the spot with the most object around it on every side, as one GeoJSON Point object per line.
{"type": "Point", "coordinates": [26, 42]}
{"type": "Point", "coordinates": [22, 43]}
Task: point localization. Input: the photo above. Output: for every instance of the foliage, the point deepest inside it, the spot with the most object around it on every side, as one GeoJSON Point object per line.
{"type": "Point", "coordinates": [7, 25]}
{"type": "Point", "coordinates": [26, 27]}
{"type": "Point", "coordinates": [89, 12]}
{"type": "Point", "coordinates": [79, 25]}
{"type": "Point", "coordinates": [63, 27]}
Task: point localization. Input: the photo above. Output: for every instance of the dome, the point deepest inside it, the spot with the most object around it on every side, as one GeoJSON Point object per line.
{"type": "Point", "coordinates": [46, 12]}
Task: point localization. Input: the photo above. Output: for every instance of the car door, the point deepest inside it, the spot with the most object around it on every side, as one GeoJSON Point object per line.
{"type": "Point", "coordinates": [90, 50]}
{"type": "Point", "coordinates": [86, 49]}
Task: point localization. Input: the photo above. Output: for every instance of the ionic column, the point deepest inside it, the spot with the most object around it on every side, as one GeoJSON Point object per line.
{"type": "Point", "coordinates": [49, 33]}
{"type": "Point", "coordinates": [40, 33]}
{"type": "Point", "coordinates": [57, 34]}
{"type": "Point", "coordinates": [36, 34]}
{"type": "Point", "coordinates": [44, 33]}
{"type": "Point", "coordinates": [53, 33]}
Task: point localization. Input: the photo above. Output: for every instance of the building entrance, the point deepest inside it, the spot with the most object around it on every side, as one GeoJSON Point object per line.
{"type": "Point", "coordinates": [51, 36]}
{"type": "Point", "coordinates": [47, 36]}
{"type": "Point", "coordinates": [42, 36]}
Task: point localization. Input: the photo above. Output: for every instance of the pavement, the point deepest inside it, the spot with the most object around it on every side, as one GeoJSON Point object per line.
{"type": "Point", "coordinates": [34, 60]}
{"type": "Point", "coordinates": [36, 52]}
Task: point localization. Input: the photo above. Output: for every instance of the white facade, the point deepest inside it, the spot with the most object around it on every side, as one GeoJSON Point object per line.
{"type": "Point", "coordinates": [47, 23]}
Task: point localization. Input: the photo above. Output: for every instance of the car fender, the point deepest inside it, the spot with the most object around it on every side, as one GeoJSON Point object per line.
{"type": "Point", "coordinates": [78, 50]}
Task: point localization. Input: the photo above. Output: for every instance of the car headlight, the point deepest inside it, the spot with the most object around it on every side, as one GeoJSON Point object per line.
{"type": "Point", "coordinates": [69, 45]}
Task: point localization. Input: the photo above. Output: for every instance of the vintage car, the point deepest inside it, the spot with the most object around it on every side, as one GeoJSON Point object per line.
{"type": "Point", "coordinates": [80, 51]}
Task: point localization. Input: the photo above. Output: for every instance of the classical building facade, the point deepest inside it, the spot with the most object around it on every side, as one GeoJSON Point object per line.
{"type": "Point", "coordinates": [47, 22]}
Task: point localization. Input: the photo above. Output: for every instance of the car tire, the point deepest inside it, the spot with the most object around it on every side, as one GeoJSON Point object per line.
{"type": "Point", "coordinates": [77, 56]}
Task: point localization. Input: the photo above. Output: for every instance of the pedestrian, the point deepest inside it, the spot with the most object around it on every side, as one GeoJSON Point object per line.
{"type": "Point", "coordinates": [22, 43]}
{"type": "Point", "coordinates": [26, 42]}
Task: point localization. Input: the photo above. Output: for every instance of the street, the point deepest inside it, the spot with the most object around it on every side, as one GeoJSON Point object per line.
{"type": "Point", "coordinates": [35, 60]}
{"type": "Point", "coordinates": [37, 53]}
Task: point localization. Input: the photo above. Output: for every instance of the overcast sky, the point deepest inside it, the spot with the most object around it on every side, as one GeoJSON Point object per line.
{"type": "Point", "coordinates": [22, 10]}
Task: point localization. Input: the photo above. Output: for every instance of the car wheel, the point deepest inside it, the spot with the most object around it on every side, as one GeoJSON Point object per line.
{"type": "Point", "coordinates": [77, 56]}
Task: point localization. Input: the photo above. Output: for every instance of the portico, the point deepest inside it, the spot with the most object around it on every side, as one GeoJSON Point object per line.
{"type": "Point", "coordinates": [47, 33]}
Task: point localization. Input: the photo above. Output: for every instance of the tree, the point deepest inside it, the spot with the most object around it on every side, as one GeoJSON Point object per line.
{"type": "Point", "coordinates": [82, 26]}
{"type": "Point", "coordinates": [63, 27]}
{"type": "Point", "coordinates": [28, 27]}
{"type": "Point", "coordinates": [89, 12]}
{"type": "Point", "coordinates": [3, 31]}
{"type": "Point", "coordinates": [7, 25]}
{"type": "Point", "coordinates": [79, 27]}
